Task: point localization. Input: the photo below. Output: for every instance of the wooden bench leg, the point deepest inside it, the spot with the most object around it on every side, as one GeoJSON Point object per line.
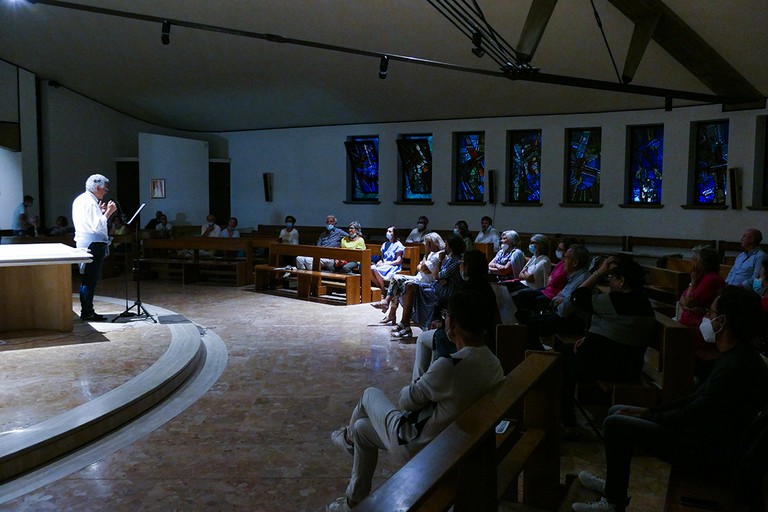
{"type": "Point", "coordinates": [304, 284]}
{"type": "Point", "coordinates": [189, 273]}
{"type": "Point", "coordinates": [353, 291]}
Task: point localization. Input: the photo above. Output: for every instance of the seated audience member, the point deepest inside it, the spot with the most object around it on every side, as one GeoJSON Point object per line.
{"type": "Point", "coordinates": [535, 272]}
{"type": "Point", "coordinates": [705, 285]}
{"type": "Point", "coordinates": [331, 237]}
{"type": "Point", "coordinates": [426, 406]}
{"type": "Point", "coordinates": [354, 240]}
{"type": "Point", "coordinates": [488, 234]}
{"type": "Point", "coordinates": [391, 259]}
{"type": "Point", "coordinates": [210, 228]}
{"type": "Point", "coordinates": [702, 431]}
{"type": "Point", "coordinates": [419, 299]}
{"type": "Point", "coordinates": [116, 226]}
{"type": "Point", "coordinates": [418, 233]}
{"type": "Point", "coordinates": [747, 265]}
{"type": "Point", "coordinates": [427, 270]}
{"type": "Point", "coordinates": [510, 260]}
{"type": "Point", "coordinates": [474, 276]}
{"type": "Point", "coordinates": [461, 229]}
{"type": "Point", "coordinates": [528, 300]}
{"type": "Point", "coordinates": [163, 228]}
{"type": "Point", "coordinates": [761, 285]}
{"type": "Point", "coordinates": [36, 227]}
{"type": "Point", "coordinates": [231, 231]}
{"type": "Point", "coordinates": [620, 329]}
{"type": "Point", "coordinates": [152, 224]}
{"type": "Point", "coordinates": [20, 221]}
{"type": "Point", "coordinates": [562, 318]}
{"type": "Point", "coordinates": [289, 234]}
{"type": "Point", "coordinates": [62, 227]}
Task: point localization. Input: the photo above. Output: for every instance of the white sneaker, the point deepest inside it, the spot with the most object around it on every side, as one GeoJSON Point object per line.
{"type": "Point", "coordinates": [339, 438]}
{"type": "Point", "coordinates": [338, 505]}
{"type": "Point", "coordinates": [594, 506]}
{"type": "Point", "coordinates": [592, 482]}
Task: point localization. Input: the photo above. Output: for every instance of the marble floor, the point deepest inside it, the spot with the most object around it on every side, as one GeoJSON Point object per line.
{"type": "Point", "coordinates": [257, 438]}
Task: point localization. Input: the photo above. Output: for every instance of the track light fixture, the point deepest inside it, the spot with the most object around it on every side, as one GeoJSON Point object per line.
{"type": "Point", "coordinates": [165, 36]}
{"type": "Point", "coordinates": [477, 42]}
{"type": "Point", "coordinates": [383, 66]}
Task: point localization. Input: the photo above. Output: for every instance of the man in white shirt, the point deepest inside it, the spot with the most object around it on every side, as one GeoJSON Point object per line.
{"type": "Point", "coordinates": [426, 406]}
{"type": "Point", "coordinates": [20, 223]}
{"type": "Point", "coordinates": [90, 217]}
{"type": "Point", "coordinates": [210, 228]}
{"type": "Point", "coordinates": [231, 231]}
{"type": "Point", "coordinates": [748, 263]}
{"type": "Point", "coordinates": [488, 234]}
{"type": "Point", "coordinates": [418, 233]}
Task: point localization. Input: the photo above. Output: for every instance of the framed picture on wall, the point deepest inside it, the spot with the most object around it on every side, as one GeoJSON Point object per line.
{"type": "Point", "coordinates": [157, 188]}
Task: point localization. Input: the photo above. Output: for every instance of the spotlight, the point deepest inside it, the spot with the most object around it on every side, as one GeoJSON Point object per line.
{"type": "Point", "coordinates": [383, 66]}
{"type": "Point", "coordinates": [477, 42]}
{"type": "Point", "coordinates": [165, 36]}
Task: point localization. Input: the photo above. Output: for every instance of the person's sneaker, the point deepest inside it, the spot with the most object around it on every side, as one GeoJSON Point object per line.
{"type": "Point", "coordinates": [592, 482]}
{"type": "Point", "coordinates": [595, 506]}
{"type": "Point", "coordinates": [403, 333]}
{"type": "Point", "coordinates": [339, 438]}
{"type": "Point", "coordinates": [338, 505]}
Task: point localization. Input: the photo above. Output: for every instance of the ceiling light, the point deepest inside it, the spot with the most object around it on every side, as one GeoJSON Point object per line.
{"type": "Point", "coordinates": [165, 36]}
{"type": "Point", "coordinates": [383, 66]}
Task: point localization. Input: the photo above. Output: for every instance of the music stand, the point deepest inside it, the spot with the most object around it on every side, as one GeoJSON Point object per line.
{"type": "Point", "coordinates": [140, 309]}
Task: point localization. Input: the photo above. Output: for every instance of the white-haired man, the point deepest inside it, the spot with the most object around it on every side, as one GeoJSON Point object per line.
{"type": "Point", "coordinates": [90, 217]}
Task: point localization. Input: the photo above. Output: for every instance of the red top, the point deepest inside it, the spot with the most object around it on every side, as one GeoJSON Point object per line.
{"type": "Point", "coordinates": [701, 296]}
{"type": "Point", "coordinates": [556, 281]}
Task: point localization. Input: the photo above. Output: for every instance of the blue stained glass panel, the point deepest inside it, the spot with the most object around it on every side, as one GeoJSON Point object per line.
{"type": "Point", "coordinates": [363, 154]}
{"type": "Point", "coordinates": [646, 155]}
{"type": "Point", "coordinates": [416, 167]}
{"type": "Point", "coordinates": [583, 174]}
{"type": "Point", "coordinates": [711, 162]}
{"type": "Point", "coordinates": [525, 166]}
{"type": "Point", "coordinates": [470, 167]}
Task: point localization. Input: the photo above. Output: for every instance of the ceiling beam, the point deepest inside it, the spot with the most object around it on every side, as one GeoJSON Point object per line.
{"type": "Point", "coordinates": [641, 38]}
{"type": "Point", "coordinates": [533, 29]}
{"type": "Point", "coordinates": [693, 52]}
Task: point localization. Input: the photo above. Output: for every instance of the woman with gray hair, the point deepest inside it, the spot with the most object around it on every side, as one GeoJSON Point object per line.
{"type": "Point", "coordinates": [427, 270]}
{"type": "Point", "coordinates": [706, 283]}
{"type": "Point", "coordinates": [535, 273]}
{"type": "Point", "coordinates": [509, 261]}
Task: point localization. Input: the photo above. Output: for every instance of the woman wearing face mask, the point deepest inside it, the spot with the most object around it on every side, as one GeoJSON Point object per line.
{"type": "Point", "coordinates": [461, 230]}
{"type": "Point", "coordinates": [289, 234]}
{"type": "Point", "coordinates": [536, 270]}
{"type": "Point", "coordinates": [528, 299]}
{"type": "Point", "coordinates": [621, 327]}
{"type": "Point", "coordinates": [420, 299]}
{"type": "Point", "coordinates": [706, 283]}
{"type": "Point", "coordinates": [510, 260]}
{"type": "Point", "coordinates": [391, 259]}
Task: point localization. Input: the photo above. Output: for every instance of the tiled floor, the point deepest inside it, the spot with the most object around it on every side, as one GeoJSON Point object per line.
{"type": "Point", "coordinates": [258, 439]}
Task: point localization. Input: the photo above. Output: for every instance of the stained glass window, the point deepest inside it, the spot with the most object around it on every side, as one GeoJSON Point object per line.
{"type": "Point", "coordinates": [470, 167]}
{"type": "Point", "coordinates": [711, 173]}
{"type": "Point", "coordinates": [415, 167]}
{"type": "Point", "coordinates": [525, 166]}
{"type": "Point", "coordinates": [363, 153]}
{"type": "Point", "coordinates": [646, 155]}
{"type": "Point", "coordinates": [583, 172]}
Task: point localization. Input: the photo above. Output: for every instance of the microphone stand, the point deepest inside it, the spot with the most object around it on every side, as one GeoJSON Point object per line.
{"type": "Point", "coordinates": [140, 309]}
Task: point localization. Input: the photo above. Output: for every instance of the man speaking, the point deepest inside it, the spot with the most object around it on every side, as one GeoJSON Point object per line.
{"type": "Point", "coordinates": [89, 216]}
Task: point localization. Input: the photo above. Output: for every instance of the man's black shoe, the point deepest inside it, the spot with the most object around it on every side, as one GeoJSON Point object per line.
{"type": "Point", "coordinates": [93, 317]}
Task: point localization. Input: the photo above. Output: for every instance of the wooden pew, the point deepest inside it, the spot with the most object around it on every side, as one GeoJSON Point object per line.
{"type": "Point", "coordinates": [157, 250]}
{"type": "Point", "coordinates": [471, 467]}
{"type": "Point", "coordinates": [665, 285]}
{"type": "Point", "coordinates": [313, 282]}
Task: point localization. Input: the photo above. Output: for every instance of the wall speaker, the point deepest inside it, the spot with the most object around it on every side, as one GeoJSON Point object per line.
{"type": "Point", "coordinates": [734, 187]}
{"type": "Point", "coordinates": [268, 186]}
{"type": "Point", "coordinates": [492, 186]}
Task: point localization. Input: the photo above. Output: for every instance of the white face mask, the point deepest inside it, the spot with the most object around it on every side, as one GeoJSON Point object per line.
{"type": "Point", "coordinates": [390, 236]}
{"type": "Point", "coordinates": [505, 247]}
{"type": "Point", "coordinates": [559, 254]}
{"type": "Point", "coordinates": [707, 331]}
{"type": "Point", "coordinates": [532, 249]}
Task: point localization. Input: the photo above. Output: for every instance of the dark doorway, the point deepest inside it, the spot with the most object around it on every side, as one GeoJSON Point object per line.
{"type": "Point", "coordinates": [219, 191]}
{"type": "Point", "coordinates": [127, 188]}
